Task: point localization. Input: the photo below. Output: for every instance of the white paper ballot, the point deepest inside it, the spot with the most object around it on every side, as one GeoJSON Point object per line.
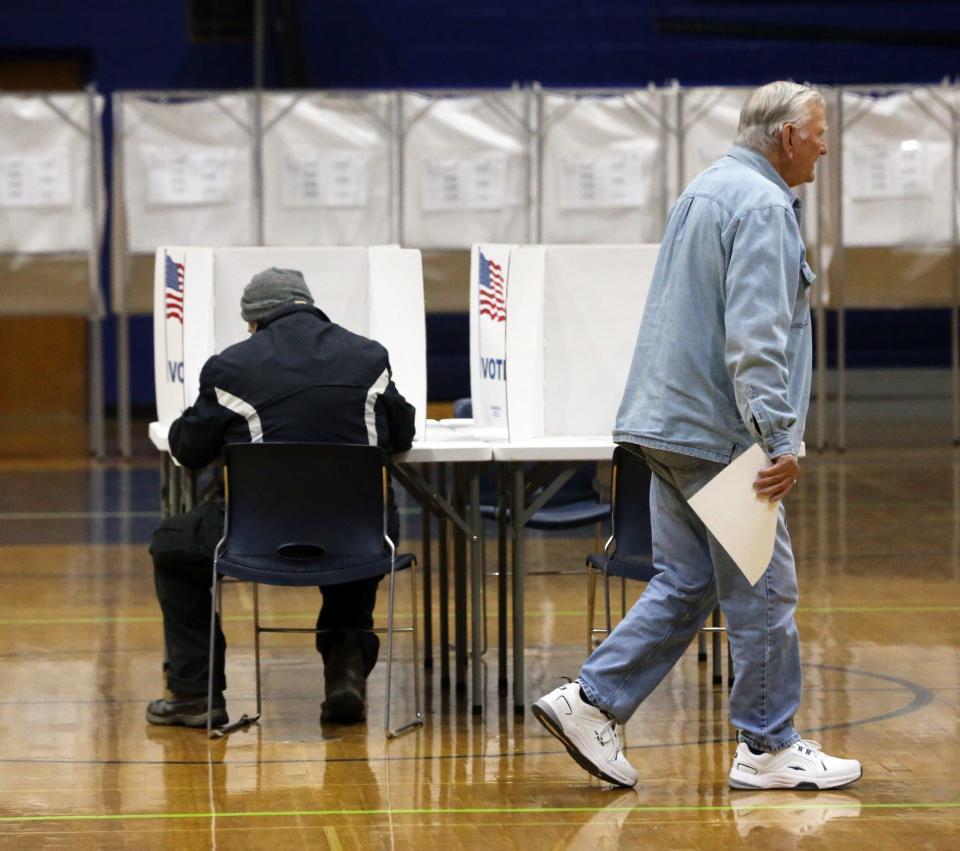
{"type": "Point", "coordinates": [743, 523]}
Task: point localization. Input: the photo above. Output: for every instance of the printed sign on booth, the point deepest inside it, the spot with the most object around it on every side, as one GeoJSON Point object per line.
{"type": "Point", "coordinates": [488, 313]}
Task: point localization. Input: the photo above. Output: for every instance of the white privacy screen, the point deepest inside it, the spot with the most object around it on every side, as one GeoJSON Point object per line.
{"type": "Point", "coordinates": [45, 162]}
{"type": "Point", "coordinates": [328, 169]}
{"type": "Point", "coordinates": [466, 169]}
{"type": "Point", "coordinates": [604, 161]}
{"type": "Point", "coordinates": [187, 170]}
{"type": "Point", "coordinates": [897, 174]}
{"type": "Point", "coordinates": [710, 117]}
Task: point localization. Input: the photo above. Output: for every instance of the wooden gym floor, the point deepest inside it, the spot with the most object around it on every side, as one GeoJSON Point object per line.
{"type": "Point", "coordinates": [877, 538]}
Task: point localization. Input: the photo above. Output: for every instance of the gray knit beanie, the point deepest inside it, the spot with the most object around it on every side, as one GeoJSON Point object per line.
{"type": "Point", "coordinates": [272, 289]}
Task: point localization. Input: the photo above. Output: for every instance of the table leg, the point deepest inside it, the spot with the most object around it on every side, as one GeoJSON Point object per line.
{"type": "Point", "coordinates": [502, 531]}
{"type": "Point", "coordinates": [443, 589]}
{"type": "Point", "coordinates": [517, 510]}
{"type": "Point", "coordinates": [426, 522]}
{"type": "Point", "coordinates": [477, 579]}
{"type": "Point", "coordinates": [459, 586]}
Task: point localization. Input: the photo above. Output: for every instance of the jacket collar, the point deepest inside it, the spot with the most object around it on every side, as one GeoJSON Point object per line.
{"type": "Point", "coordinates": [758, 162]}
{"type": "Point", "coordinates": [287, 310]}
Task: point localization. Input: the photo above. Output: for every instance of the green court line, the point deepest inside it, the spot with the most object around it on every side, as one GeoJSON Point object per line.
{"type": "Point", "coordinates": [854, 610]}
{"type": "Point", "coordinates": [454, 811]}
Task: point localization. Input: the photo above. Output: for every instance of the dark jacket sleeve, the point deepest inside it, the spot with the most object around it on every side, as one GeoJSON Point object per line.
{"type": "Point", "coordinates": [401, 417]}
{"type": "Point", "coordinates": [197, 436]}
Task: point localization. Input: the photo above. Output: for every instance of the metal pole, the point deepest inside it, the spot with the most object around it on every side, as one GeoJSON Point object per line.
{"type": "Point", "coordinates": [841, 280]}
{"type": "Point", "coordinates": [821, 314]}
{"type": "Point", "coordinates": [477, 580]}
{"type": "Point", "coordinates": [536, 169]}
{"type": "Point", "coordinates": [426, 522]}
{"type": "Point", "coordinates": [681, 141]}
{"type": "Point", "coordinates": [955, 290]}
{"type": "Point", "coordinates": [95, 415]}
{"type": "Point", "coordinates": [119, 281]}
{"type": "Point", "coordinates": [401, 138]}
{"type": "Point", "coordinates": [259, 45]}
{"type": "Point", "coordinates": [516, 511]}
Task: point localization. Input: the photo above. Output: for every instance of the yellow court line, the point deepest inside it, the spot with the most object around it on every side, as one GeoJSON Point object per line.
{"type": "Point", "coordinates": [402, 811]}
{"type": "Point", "coordinates": [561, 613]}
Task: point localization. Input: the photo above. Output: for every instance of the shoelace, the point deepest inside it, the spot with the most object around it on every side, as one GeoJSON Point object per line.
{"type": "Point", "coordinates": [609, 728]}
{"type": "Point", "coordinates": [810, 745]}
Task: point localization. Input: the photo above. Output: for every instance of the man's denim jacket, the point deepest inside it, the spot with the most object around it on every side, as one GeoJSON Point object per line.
{"type": "Point", "coordinates": [723, 357]}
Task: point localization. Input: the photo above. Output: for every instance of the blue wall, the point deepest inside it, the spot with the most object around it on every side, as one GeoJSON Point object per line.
{"type": "Point", "coordinates": [463, 43]}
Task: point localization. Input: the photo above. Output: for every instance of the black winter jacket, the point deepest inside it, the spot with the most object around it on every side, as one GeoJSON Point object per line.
{"type": "Point", "coordinates": [299, 378]}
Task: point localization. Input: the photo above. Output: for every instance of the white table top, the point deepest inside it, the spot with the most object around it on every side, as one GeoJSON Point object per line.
{"type": "Point", "coordinates": [439, 447]}
{"type": "Point", "coordinates": [595, 448]}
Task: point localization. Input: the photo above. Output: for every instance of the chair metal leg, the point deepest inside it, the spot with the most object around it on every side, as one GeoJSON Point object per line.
{"type": "Point", "coordinates": [214, 591]}
{"type": "Point", "coordinates": [417, 705]}
{"type": "Point", "coordinates": [623, 597]}
{"type": "Point", "coordinates": [418, 716]}
{"type": "Point", "coordinates": [729, 663]}
{"type": "Point", "coordinates": [606, 598]}
{"type": "Point", "coordinates": [256, 641]}
{"type": "Point", "coordinates": [216, 606]}
{"type": "Point", "coordinates": [717, 648]}
{"type": "Point", "coordinates": [386, 723]}
{"type": "Point", "coordinates": [701, 647]}
{"type": "Point", "coordinates": [591, 605]}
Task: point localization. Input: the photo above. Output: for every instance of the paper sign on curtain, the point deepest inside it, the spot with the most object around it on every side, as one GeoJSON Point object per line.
{"type": "Point", "coordinates": [183, 176]}
{"type": "Point", "coordinates": [743, 523]}
{"type": "Point", "coordinates": [602, 182]}
{"type": "Point", "coordinates": [35, 181]}
{"type": "Point", "coordinates": [336, 178]}
{"type": "Point", "coordinates": [462, 183]}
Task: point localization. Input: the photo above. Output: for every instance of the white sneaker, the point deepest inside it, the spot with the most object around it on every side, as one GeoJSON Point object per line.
{"type": "Point", "coordinates": [803, 765]}
{"type": "Point", "coordinates": [589, 735]}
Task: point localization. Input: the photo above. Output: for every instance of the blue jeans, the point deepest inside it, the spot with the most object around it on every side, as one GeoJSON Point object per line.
{"type": "Point", "coordinates": [695, 573]}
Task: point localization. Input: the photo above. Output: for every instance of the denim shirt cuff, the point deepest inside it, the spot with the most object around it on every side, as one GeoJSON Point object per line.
{"type": "Point", "coordinates": [779, 444]}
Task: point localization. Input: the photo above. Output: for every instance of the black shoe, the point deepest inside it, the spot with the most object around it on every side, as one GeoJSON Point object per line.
{"type": "Point", "coordinates": [186, 710]}
{"type": "Point", "coordinates": [345, 685]}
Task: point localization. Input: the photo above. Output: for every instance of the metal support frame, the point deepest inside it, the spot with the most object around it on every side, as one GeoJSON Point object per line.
{"type": "Point", "coordinates": [89, 129]}
{"type": "Point", "coordinates": [950, 124]}
{"type": "Point", "coordinates": [657, 119]}
{"type": "Point", "coordinates": [490, 98]}
{"type": "Point", "coordinates": [120, 251]}
{"type": "Point", "coordinates": [461, 511]}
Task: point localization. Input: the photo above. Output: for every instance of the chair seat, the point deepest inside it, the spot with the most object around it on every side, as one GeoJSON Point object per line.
{"type": "Point", "coordinates": [568, 516]}
{"type": "Point", "coordinates": [639, 568]}
{"type": "Point", "coordinates": [272, 569]}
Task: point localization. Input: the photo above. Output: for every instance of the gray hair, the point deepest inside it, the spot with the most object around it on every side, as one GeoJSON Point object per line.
{"type": "Point", "coordinates": [769, 108]}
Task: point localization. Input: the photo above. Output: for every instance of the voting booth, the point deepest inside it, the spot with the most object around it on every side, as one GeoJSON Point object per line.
{"type": "Point", "coordinates": [573, 312]}
{"type": "Point", "coordinates": [330, 168]}
{"type": "Point", "coordinates": [604, 166]}
{"type": "Point", "coordinates": [51, 220]}
{"type": "Point", "coordinates": [376, 292]}
{"type": "Point", "coordinates": [468, 168]}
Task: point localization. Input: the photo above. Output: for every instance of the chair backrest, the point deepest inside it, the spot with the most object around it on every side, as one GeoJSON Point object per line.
{"type": "Point", "coordinates": [631, 506]}
{"type": "Point", "coordinates": [305, 500]}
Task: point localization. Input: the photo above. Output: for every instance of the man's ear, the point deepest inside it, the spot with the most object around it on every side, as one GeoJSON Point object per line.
{"type": "Point", "coordinates": [788, 140]}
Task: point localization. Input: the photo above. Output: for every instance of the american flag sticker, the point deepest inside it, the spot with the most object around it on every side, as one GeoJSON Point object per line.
{"type": "Point", "coordinates": [493, 302]}
{"type": "Point", "coordinates": [173, 289]}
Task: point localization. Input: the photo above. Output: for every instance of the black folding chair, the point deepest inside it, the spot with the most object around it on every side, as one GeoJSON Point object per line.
{"type": "Point", "coordinates": [628, 553]}
{"type": "Point", "coordinates": [303, 514]}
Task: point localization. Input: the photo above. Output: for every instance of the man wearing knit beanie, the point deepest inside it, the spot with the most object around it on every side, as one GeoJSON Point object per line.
{"type": "Point", "coordinates": [299, 378]}
{"type": "Point", "coordinates": [271, 289]}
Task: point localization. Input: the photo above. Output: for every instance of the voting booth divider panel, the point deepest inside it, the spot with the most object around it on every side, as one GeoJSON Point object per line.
{"type": "Point", "coordinates": [572, 319]}
{"type": "Point", "coordinates": [376, 292]}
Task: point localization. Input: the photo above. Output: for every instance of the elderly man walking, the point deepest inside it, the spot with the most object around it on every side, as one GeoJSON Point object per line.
{"type": "Point", "coordinates": [722, 361]}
